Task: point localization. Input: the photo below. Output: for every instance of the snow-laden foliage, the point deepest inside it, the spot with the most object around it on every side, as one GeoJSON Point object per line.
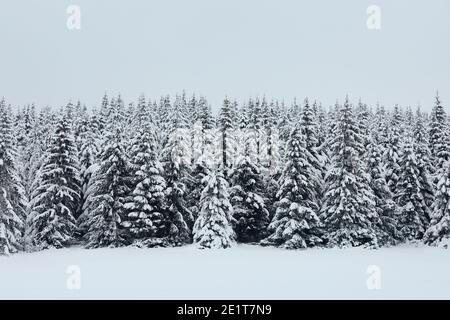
{"type": "Point", "coordinates": [213, 227]}
{"type": "Point", "coordinates": [438, 233]}
{"type": "Point", "coordinates": [56, 199]}
{"type": "Point", "coordinates": [296, 223]}
{"type": "Point", "coordinates": [247, 198]}
{"type": "Point", "coordinates": [105, 207]}
{"type": "Point", "coordinates": [287, 174]}
{"type": "Point", "coordinates": [412, 212]}
{"type": "Point", "coordinates": [348, 209]}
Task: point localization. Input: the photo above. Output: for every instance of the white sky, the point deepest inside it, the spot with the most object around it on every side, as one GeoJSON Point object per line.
{"type": "Point", "coordinates": [281, 48]}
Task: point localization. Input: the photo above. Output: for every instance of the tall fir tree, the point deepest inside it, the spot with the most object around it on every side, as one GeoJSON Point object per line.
{"type": "Point", "coordinates": [12, 195]}
{"type": "Point", "coordinates": [413, 213]}
{"type": "Point", "coordinates": [438, 139]}
{"type": "Point", "coordinates": [226, 137]}
{"type": "Point", "coordinates": [438, 233]}
{"type": "Point", "coordinates": [393, 148]}
{"type": "Point", "coordinates": [247, 198]}
{"type": "Point", "coordinates": [55, 200]}
{"type": "Point", "coordinates": [105, 206]}
{"type": "Point", "coordinates": [348, 209]}
{"type": "Point", "coordinates": [384, 203]}
{"type": "Point", "coordinates": [146, 220]}
{"type": "Point", "coordinates": [213, 227]}
{"type": "Point", "coordinates": [423, 156]}
{"type": "Point", "coordinates": [296, 223]}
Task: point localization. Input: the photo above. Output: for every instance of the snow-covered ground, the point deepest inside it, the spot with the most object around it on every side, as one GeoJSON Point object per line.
{"type": "Point", "coordinates": [243, 272]}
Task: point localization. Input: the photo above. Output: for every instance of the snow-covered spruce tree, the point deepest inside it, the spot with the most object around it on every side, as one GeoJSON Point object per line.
{"type": "Point", "coordinates": [363, 118]}
{"type": "Point", "coordinates": [103, 115]}
{"type": "Point", "coordinates": [294, 112]}
{"type": "Point", "coordinates": [26, 146]}
{"type": "Point", "coordinates": [105, 205]}
{"type": "Point", "coordinates": [392, 150]}
{"type": "Point", "coordinates": [213, 227]}
{"type": "Point", "coordinates": [176, 163]}
{"type": "Point", "coordinates": [196, 184]}
{"type": "Point", "coordinates": [146, 218]}
{"type": "Point", "coordinates": [438, 234]}
{"type": "Point", "coordinates": [163, 120]}
{"type": "Point", "coordinates": [247, 198]}
{"type": "Point", "coordinates": [226, 137]}
{"type": "Point", "coordinates": [439, 139]}
{"type": "Point", "coordinates": [9, 171]}
{"type": "Point", "coordinates": [308, 127]}
{"type": "Point", "coordinates": [348, 209]}
{"type": "Point", "coordinates": [56, 198]}
{"type": "Point", "coordinates": [322, 129]}
{"type": "Point", "coordinates": [413, 213]}
{"type": "Point", "coordinates": [202, 133]}
{"type": "Point", "coordinates": [11, 226]}
{"type": "Point", "coordinates": [12, 198]}
{"type": "Point", "coordinates": [296, 223]}
{"type": "Point", "coordinates": [88, 154]}
{"type": "Point", "coordinates": [255, 127]}
{"type": "Point", "coordinates": [384, 203]}
{"type": "Point", "coordinates": [284, 129]}
{"type": "Point", "coordinates": [423, 156]}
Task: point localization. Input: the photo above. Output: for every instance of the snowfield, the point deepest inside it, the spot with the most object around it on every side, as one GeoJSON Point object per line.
{"type": "Point", "coordinates": [242, 272]}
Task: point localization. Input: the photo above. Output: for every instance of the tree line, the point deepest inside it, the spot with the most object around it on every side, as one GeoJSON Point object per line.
{"type": "Point", "coordinates": [171, 172]}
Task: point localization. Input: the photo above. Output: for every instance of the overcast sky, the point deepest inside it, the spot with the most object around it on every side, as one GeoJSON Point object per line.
{"type": "Point", "coordinates": [281, 48]}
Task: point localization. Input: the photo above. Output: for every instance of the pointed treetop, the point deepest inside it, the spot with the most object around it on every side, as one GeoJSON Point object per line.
{"type": "Point", "coordinates": [438, 100]}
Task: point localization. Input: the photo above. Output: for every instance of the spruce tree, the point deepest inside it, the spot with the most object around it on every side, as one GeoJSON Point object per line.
{"type": "Point", "coordinates": [176, 163]}
{"type": "Point", "coordinates": [438, 234]}
{"type": "Point", "coordinates": [55, 200]}
{"type": "Point", "coordinates": [12, 197]}
{"type": "Point", "coordinates": [146, 218]}
{"type": "Point", "coordinates": [195, 186]}
{"type": "Point", "coordinates": [438, 139]}
{"type": "Point", "coordinates": [213, 227]}
{"type": "Point", "coordinates": [413, 212]}
{"type": "Point", "coordinates": [226, 137]}
{"type": "Point", "coordinates": [348, 210]}
{"type": "Point", "coordinates": [308, 127]}
{"type": "Point", "coordinates": [423, 156]}
{"type": "Point", "coordinates": [392, 152]}
{"type": "Point", "coordinates": [105, 206]}
{"type": "Point", "coordinates": [296, 223]}
{"type": "Point", "coordinates": [247, 199]}
{"type": "Point", "coordinates": [384, 203]}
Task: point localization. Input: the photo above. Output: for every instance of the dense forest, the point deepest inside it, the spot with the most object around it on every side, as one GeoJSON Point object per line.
{"type": "Point", "coordinates": [170, 172]}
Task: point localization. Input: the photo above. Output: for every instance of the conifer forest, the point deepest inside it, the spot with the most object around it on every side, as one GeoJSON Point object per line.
{"type": "Point", "coordinates": [176, 171]}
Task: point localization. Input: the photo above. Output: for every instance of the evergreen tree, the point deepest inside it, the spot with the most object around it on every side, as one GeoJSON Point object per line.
{"type": "Point", "coordinates": [348, 210]}
{"type": "Point", "coordinates": [384, 203]}
{"type": "Point", "coordinates": [56, 198]}
{"type": "Point", "coordinates": [439, 138]}
{"type": "Point", "coordinates": [146, 220]}
{"type": "Point", "coordinates": [12, 198]}
{"type": "Point", "coordinates": [247, 199]}
{"type": "Point", "coordinates": [213, 227]}
{"type": "Point", "coordinates": [11, 226]}
{"type": "Point", "coordinates": [176, 161]}
{"type": "Point", "coordinates": [105, 208]}
{"type": "Point", "coordinates": [296, 223]}
{"type": "Point", "coordinates": [412, 209]}
{"type": "Point", "coordinates": [438, 234]}
{"type": "Point", "coordinates": [423, 155]}
{"type": "Point", "coordinates": [392, 151]}
{"type": "Point", "coordinates": [270, 151]}
{"type": "Point", "coordinates": [226, 137]}
{"type": "Point", "coordinates": [308, 129]}
{"type": "Point", "coordinates": [195, 186]}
